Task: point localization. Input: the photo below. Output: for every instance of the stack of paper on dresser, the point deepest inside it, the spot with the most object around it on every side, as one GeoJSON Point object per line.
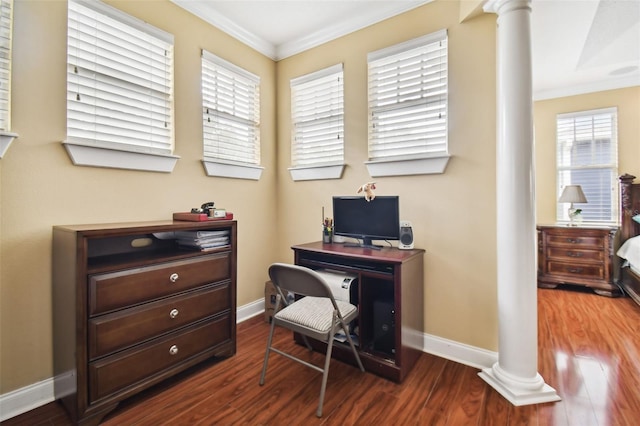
{"type": "Point", "coordinates": [203, 240]}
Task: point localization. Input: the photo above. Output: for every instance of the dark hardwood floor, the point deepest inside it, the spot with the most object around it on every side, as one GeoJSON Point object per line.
{"type": "Point", "coordinates": [589, 351]}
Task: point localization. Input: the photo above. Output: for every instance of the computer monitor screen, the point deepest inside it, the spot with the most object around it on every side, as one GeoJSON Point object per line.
{"type": "Point", "coordinates": [378, 219]}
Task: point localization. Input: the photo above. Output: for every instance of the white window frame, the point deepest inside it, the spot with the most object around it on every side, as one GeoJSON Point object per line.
{"type": "Point", "coordinates": [6, 32]}
{"type": "Point", "coordinates": [408, 146]}
{"type": "Point", "coordinates": [102, 99]}
{"type": "Point", "coordinates": [592, 129]}
{"type": "Point", "coordinates": [230, 119]}
{"type": "Point", "coordinates": [317, 125]}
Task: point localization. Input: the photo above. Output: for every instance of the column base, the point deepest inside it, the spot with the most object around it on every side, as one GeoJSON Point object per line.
{"type": "Point", "coordinates": [519, 394]}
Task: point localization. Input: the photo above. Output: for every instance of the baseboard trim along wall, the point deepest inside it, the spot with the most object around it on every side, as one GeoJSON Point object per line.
{"type": "Point", "coordinates": [38, 394]}
{"type": "Point", "coordinates": [25, 399]}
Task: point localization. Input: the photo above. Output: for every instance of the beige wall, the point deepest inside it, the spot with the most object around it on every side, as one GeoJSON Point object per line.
{"type": "Point", "coordinates": [41, 188]}
{"type": "Point", "coordinates": [628, 103]}
{"type": "Point", "coordinates": [453, 214]}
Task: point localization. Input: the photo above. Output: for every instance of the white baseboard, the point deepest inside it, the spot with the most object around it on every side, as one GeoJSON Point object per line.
{"type": "Point", "coordinates": [250, 310]}
{"type": "Point", "coordinates": [459, 352]}
{"type": "Point", "coordinates": [38, 394]}
{"type": "Point", "coordinates": [25, 399]}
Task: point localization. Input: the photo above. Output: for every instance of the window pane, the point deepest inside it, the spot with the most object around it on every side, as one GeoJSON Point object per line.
{"type": "Point", "coordinates": [587, 156]}
{"type": "Point", "coordinates": [6, 22]}
{"type": "Point", "coordinates": [119, 81]}
{"type": "Point", "coordinates": [408, 99]}
{"type": "Point", "coordinates": [231, 112]}
{"type": "Point", "coordinates": [317, 110]}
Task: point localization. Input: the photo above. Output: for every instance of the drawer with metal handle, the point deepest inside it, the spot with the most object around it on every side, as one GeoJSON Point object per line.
{"type": "Point", "coordinates": [118, 330]}
{"type": "Point", "coordinates": [575, 270]}
{"type": "Point", "coordinates": [575, 240]}
{"type": "Point", "coordinates": [117, 290]}
{"type": "Point", "coordinates": [575, 254]}
{"type": "Point", "coordinates": [125, 369]}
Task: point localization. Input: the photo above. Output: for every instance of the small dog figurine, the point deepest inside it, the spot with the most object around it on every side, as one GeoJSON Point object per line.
{"type": "Point", "coordinates": [368, 190]}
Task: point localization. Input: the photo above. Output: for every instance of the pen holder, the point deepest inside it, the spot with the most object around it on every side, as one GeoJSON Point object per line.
{"type": "Point", "coordinates": [326, 236]}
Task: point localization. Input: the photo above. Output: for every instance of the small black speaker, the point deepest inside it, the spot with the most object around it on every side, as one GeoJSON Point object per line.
{"type": "Point", "coordinates": [384, 327]}
{"type": "Point", "coordinates": [406, 236]}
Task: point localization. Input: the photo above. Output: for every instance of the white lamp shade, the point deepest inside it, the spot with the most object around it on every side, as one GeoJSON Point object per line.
{"type": "Point", "coordinates": [572, 194]}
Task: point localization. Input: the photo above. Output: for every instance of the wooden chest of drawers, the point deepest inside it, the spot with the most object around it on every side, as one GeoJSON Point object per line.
{"type": "Point", "coordinates": [578, 256]}
{"type": "Point", "coordinates": [132, 308]}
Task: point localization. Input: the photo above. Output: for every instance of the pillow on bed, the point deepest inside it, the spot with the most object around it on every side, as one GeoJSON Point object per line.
{"type": "Point", "coordinates": [630, 251]}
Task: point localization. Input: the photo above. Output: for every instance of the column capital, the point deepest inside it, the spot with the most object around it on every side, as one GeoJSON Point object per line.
{"type": "Point", "coordinates": [503, 6]}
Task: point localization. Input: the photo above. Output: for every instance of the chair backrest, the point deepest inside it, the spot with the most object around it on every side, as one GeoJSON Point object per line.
{"type": "Point", "coordinates": [299, 280]}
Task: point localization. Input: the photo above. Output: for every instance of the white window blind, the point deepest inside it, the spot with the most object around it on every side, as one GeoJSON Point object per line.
{"type": "Point", "coordinates": [317, 110]}
{"type": "Point", "coordinates": [119, 80]}
{"type": "Point", "coordinates": [230, 112]}
{"type": "Point", "coordinates": [587, 155]}
{"type": "Point", "coordinates": [6, 21]}
{"type": "Point", "coordinates": [408, 99]}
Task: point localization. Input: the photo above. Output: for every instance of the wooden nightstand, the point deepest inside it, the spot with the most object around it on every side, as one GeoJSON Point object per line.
{"type": "Point", "coordinates": [577, 255]}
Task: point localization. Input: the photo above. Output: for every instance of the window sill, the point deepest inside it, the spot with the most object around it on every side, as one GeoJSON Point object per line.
{"type": "Point", "coordinates": [5, 140]}
{"type": "Point", "coordinates": [333, 171]}
{"type": "Point", "coordinates": [405, 167]}
{"type": "Point", "coordinates": [228, 170]}
{"type": "Point", "coordinates": [84, 155]}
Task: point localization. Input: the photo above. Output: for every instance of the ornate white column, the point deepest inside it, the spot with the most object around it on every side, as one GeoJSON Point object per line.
{"type": "Point", "coordinates": [515, 374]}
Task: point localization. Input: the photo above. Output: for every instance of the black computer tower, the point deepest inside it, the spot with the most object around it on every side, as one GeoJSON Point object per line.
{"type": "Point", "coordinates": [384, 335]}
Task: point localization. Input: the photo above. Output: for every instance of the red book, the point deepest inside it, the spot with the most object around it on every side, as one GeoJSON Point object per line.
{"type": "Point", "coordinates": [199, 217]}
{"type": "Point", "coordinates": [191, 217]}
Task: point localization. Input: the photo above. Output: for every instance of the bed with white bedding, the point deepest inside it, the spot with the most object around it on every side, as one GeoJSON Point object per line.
{"type": "Point", "coordinates": [629, 250]}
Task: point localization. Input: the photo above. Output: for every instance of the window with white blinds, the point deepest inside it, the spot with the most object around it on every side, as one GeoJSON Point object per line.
{"type": "Point", "coordinates": [587, 147]}
{"type": "Point", "coordinates": [230, 112]}
{"type": "Point", "coordinates": [119, 81]}
{"type": "Point", "coordinates": [317, 114]}
{"type": "Point", "coordinates": [408, 99]}
{"type": "Point", "coordinates": [6, 21]}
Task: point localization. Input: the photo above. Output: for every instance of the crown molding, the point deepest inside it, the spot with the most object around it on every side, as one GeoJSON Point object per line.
{"type": "Point", "coordinates": [349, 26]}
{"type": "Point", "coordinates": [228, 26]}
{"type": "Point", "coordinates": [307, 42]}
{"type": "Point", "coordinates": [581, 89]}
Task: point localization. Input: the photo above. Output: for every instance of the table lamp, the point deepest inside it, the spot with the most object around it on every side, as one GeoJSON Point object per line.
{"type": "Point", "coordinates": [572, 194]}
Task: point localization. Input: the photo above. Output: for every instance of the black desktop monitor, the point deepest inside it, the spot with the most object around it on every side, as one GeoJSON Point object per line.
{"type": "Point", "coordinates": [378, 219]}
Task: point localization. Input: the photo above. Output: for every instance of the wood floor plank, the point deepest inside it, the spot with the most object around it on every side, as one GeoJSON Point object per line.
{"type": "Point", "coordinates": [525, 415]}
{"type": "Point", "coordinates": [494, 411]}
{"type": "Point", "coordinates": [353, 402]}
{"type": "Point", "coordinates": [443, 397]}
{"type": "Point", "coordinates": [469, 399]}
{"type": "Point", "coordinates": [552, 372]}
{"type": "Point", "coordinates": [416, 390]}
{"type": "Point", "coordinates": [553, 413]}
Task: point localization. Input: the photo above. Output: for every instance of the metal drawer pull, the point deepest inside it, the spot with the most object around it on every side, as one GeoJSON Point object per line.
{"type": "Point", "coordinates": [576, 270]}
{"type": "Point", "coordinates": [574, 254]}
{"type": "Point", "coordinates": [573, 240]}
{"type": "Point", "coordinates": [173, 350]}
{"type": "Point", "coordinates": [173, 313]}
{"type": "Point", "coordinates": [174, 277]}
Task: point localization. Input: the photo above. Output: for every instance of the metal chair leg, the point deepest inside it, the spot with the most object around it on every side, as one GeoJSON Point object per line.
{"type": "Point", "coordinates": [345, 328]}
{"type": "Point", "coordinates": [268, 351]}
{"type": "Point", "coordinates": [325, 372]}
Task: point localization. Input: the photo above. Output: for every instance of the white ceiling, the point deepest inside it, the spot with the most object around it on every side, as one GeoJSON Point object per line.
{"type": "Point", "coordinates": [578, 46]}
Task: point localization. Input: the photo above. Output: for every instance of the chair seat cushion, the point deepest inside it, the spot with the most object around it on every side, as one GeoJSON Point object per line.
{"type": "Point", "coordinates": [315, 313]}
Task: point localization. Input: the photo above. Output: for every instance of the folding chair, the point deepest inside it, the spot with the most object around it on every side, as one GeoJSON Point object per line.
{"type": "Point", "coordinates": [317, 315]}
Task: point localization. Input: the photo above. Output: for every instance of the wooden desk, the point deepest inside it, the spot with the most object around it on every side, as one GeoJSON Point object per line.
{"type": "Point", "coordinates": [390, 301]}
